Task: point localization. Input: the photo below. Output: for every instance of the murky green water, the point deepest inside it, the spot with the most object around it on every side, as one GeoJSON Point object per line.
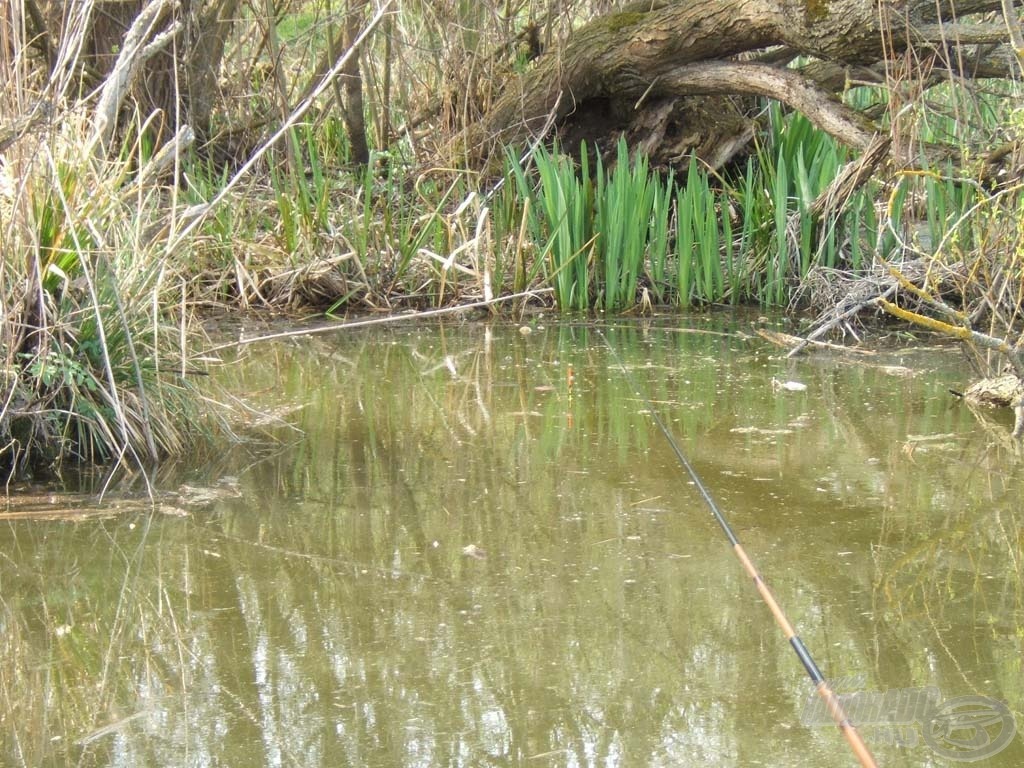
{"type": "Point", "coordinates": [471, 558]}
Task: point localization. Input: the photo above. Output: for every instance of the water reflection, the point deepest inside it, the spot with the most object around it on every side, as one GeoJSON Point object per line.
{"type": "Point", "coordinates": [472, 557]}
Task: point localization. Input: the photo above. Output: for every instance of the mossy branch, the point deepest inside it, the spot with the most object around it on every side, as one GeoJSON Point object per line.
{"type": "Point", "coordinates": [926, 296]}
{"type": "Point", "coordinates": [960, 332]}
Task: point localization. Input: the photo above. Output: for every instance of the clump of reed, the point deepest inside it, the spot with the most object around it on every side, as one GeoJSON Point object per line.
{"type": "Point", "coordinates": [629, 236]}
{"type": "Point", "coordinates": [92, 334]}
{"type": "Point", "coordinates": [601, 233]}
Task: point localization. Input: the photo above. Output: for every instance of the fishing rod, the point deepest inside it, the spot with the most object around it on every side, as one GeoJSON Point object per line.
{"type": "Point", "coordinates": [829, 696]}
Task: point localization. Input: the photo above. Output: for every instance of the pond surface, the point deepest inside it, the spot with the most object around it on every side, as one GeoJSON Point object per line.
{"type": "Point", "coordinates": [475, 548]}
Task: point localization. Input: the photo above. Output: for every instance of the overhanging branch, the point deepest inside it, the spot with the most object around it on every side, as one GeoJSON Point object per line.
{"type": "Point", "coordinates": [788, 86]}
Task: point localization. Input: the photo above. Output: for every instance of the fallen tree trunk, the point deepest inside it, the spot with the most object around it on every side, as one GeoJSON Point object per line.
{"type": "Point", "coordinates": [650, 51]}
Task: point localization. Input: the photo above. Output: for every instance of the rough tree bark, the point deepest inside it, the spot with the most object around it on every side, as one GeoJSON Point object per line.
{"type": "Point", "coordinates": [352, 77]}
{"type": "Point", "coordinates": [647, 53]}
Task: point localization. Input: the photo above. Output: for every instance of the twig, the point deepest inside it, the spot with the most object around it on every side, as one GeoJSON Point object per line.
{"type": "Point", "coordinates": [374, 321]}
{"type": "Point", "coordinates": [823, 329]}
{"type": "Point", "coordinates": [851, 177]}
{"type": "Point", "coordinates": [202, 211]}
{"type": "Point", "coordinates": [527, 156]}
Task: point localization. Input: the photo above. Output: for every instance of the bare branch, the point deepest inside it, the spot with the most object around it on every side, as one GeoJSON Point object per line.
{"type": "Point", "coordinates": [789, 87]}
{"type": "Point", "coordinates": [134, 53]}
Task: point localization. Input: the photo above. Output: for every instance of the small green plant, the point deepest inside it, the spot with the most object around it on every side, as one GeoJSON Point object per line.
{"type": "Point", "coordinates": [624, 206]}
{"type": "Point", "coordinates": [700, 277]}
{"type": "Point", "coordinates": [601, 230]}
{"type": "Point", "coordinates": [562, 211]}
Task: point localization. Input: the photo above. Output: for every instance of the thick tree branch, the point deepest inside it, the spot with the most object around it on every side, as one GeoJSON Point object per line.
{"type": "Point", "coordinates": [1012, 20]}
{"type": "Point", "coordinates": [959, 34]}
{"type": "Point", "coordinates": [785, 85]}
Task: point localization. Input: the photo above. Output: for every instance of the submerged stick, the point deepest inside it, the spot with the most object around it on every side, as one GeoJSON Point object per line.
{"type": "Point", "coordinates": [831, 699]}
